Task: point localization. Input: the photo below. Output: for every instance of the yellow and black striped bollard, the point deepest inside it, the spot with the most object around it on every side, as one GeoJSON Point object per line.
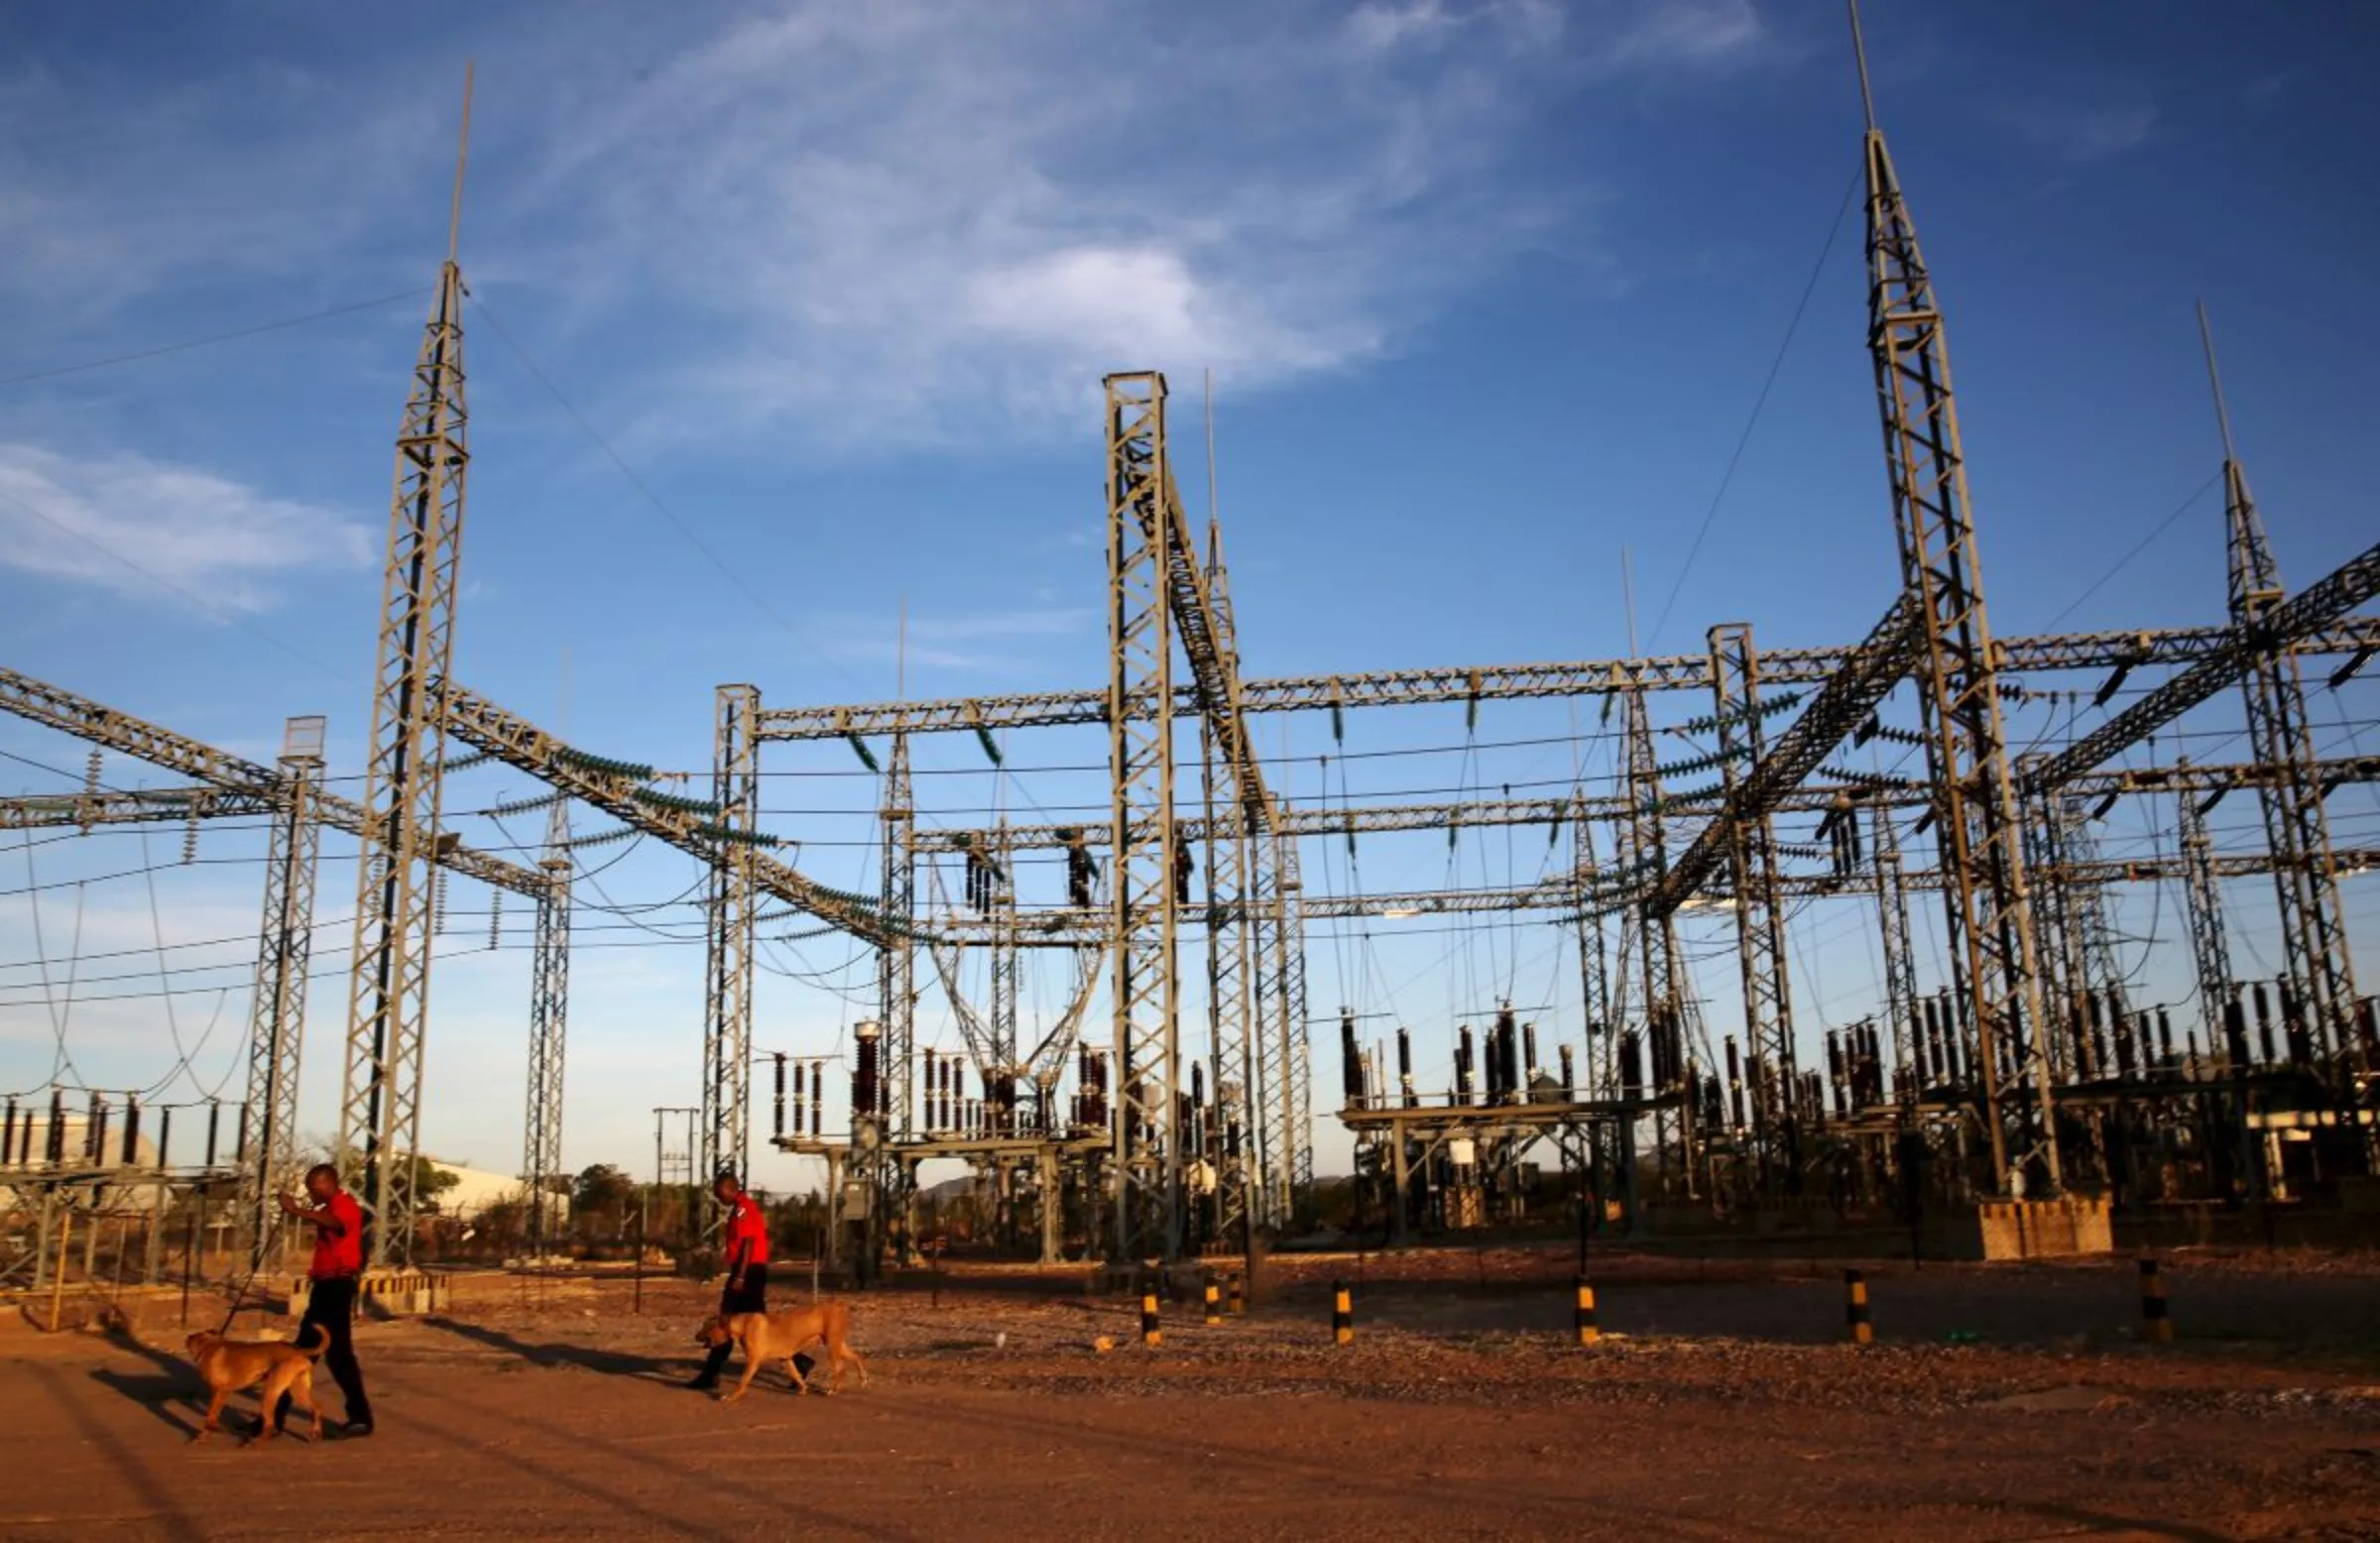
{"type": "Point", "coordinates": [1343, 1314]}
{"type": "Point", "coordinates": [1854, 1307]}
{"type": "Point", "coordinates": [2156, 1322]}
{"type": "Point", "coordinates": [1214, 1303]}
{"type": "Point", "coordinates": [1151, 1335]}
{"type": "Point", "coordinates": [1239, 1296]}
{"type": "Point", "coordinates": [1581, 1312]}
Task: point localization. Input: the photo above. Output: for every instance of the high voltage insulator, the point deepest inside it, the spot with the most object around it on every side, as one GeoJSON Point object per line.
{"type": "Point", "coordinates": [630, 771]}
{"type": "Point", "coordinates": [438, 901]}
{"type": "Point", "coordinates": [602, 839]}
{"type": "Point", "coordinates": [678, 802]}
{"type": "Point", "coordinates": [525, 805]}
{"type": "Point", "coordinates": [190, 838]}
{"type": "Point", "coordinates": [495, 917]}
{"type": "Point", "coordinates": [749, 838]}
{"type": "Point", "coordinates": [90, 774]}
{"type": "Point", "coordinates": [867, 756]}
{"type": "Point", "coordinates": [1768, 707]}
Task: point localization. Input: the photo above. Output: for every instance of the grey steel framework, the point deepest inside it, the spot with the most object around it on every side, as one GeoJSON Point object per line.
{"type": "Point", "coordinates": [2032, 966]}
{"type": "Point", "coordinates": [734, 903]}
{"type": "Point", "coordinates": [548, 1025]}
{"type": "Point", "coordinates": [379, 1112]}
{"type": "Point", "coordinates": [2314, 938]}
{"type": "Point", "coordinates": [276, 1006]}
{"type": "Point", "coordinates": [1142, 893]}
{"type": "Point", "coordinates": [2335, 633]}
{"type": "Point", "coordinates": [1759, 919]}
{"type": "Point", "coordinates": [1989, 928]}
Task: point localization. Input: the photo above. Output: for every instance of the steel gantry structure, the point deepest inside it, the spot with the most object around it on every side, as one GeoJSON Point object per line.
{"type": "Point", "coordinates": [298, 807]}
{"type": "Point", "coordinates": [1172, 1143]}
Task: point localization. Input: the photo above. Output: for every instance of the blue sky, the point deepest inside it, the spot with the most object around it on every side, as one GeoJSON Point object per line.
{"type": "Point", "coordinates": [1488, 293]}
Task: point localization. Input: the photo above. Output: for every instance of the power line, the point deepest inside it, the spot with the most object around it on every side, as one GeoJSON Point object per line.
{"type": "Point", "coordinates": [211, 339]}
{"type": "Point", "coordinates": [651, 496]}
{"type": "Point", "coordinates": [1727, 479]}
{"type": "Point", "coordinates": [167, 584]}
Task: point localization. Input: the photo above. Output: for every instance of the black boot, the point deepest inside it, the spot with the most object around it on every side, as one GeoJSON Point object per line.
{"type": "Point", "coordinates": [708, 1377]}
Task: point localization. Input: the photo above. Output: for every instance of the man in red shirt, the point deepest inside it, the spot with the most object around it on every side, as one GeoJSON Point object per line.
{"type": "Point", "coordinates": [746, 1242]}
{"type": "Point", "coordinates": [330, 1304]}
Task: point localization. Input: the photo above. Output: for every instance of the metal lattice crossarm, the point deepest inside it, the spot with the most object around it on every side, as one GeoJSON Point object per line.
{"type": "Point", "coordinates": [2050, 654]}
{"type": "Point", "coordinates": [137, 738]}
{"type": "Point", "coordinates": [1871, 671]}
{"type": "Point", "coordinates": [2314, 609]}
{"type": "Point", "coordinates": [233, 787]}
{"type": "Point", "coordinates": [1812, 798]}
{"type": "Point", "coordinates": [616, 788]}
{"type": "Point", "coordinates": [43, 811]}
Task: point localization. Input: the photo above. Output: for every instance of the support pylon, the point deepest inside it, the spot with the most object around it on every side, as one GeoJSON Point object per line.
{"type": "Point", "coordinates": [380, 1115]}
{"type": "Point", "coordinates": [1759, 917]}
{"type": "Point", "coordinates": [1900, 957]}
{"type": "Point", "coordinates": [549, 1022]}
{"type": "Point", "coordinates": [734, 904]}
{"type": "Point", "coordinates": [1990, 925]}
{"type": "Point", "coordinates": [276, 1007]}
{"type": "Point", "coordinates": [2313, 941]}
{"type": "Point", "coordinates": [1144, 915]}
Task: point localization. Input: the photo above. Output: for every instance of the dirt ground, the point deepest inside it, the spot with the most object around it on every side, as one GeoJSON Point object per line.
{"type": "Point", "coordinates": [1999, 1402]}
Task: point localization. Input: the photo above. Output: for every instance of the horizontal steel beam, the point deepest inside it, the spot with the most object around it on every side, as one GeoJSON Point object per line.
{"type": "Point", "coordinates": [2315, 609]}
{"type": "Point", "coordinates": [1055, 928]}
{"type": "Point", "coordinates": [621, 791]}
{"type": "Point", "coordinates": [233, 785]}
{"type": "Point", "coordinates": [2048, 653]}
{"type": "Point", "coordinates": [1811, 798]}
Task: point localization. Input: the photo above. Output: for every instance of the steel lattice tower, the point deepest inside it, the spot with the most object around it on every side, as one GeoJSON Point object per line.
{"type": "Point", "coordinates": [548, 1020]}
{"type": "Point", "coordinates": [734, 902]}
{"type": "Point", "coordinates": [1145, 914]}
{"type": "Point", "coordinates": [1594, 974]}
{"type": "Point", "coordinates": [1900, 957]}
{"type": "Point", "coordinates": [1230, 978]}
{"type": "Point", "coordinates": [1990, 930]}
{"type": "Point", "coordinates": [2210, 949]}
{"type": "Point", "coordinates": [1759, 919]}
{"type": "Point", "coordinates": [276, 1006]}
{"type": "Point", "coordinates": [2314, 939]}
{"type": "Point", "coordinates": [380, 1117]}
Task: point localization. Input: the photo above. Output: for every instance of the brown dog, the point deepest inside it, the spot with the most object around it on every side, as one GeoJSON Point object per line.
{"type": "Point", "coordinates": [229, 1365]}
{"type": "Point", "coordinates": [780, 1336]}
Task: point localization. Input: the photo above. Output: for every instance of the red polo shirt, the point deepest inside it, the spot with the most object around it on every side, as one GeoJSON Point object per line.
{"type": "Point", "coordinates": [745, 1225]}
{"type": "Point", "coordinates": [339, 1242]}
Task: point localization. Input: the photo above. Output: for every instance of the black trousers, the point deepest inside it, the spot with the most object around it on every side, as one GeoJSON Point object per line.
{"type": "Point", "coordinates": [330, 1315]}
{"type": "Point", "coordinates": [754, 1298]}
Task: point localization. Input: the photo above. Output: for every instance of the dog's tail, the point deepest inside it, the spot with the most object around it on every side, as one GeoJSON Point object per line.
{"type": "Point", "coordinates": [322, 1342]}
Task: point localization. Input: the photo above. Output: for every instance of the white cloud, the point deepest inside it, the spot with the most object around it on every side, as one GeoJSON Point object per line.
{"type": "Point", "coordinates": [986, 641]}
{"type": "Point", "coordinates": [217, 538]}
{"type": "Point", "coordinates": [1689, 33]}
{"type": "Point", "coordinates": [907, 223]}
{"type": "Point", "coordinates": [2108, 132]}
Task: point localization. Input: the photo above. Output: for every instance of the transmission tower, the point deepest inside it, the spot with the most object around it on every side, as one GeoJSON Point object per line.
{"type": "Point", "coordinates": [1759, 917]}
{"type": "Point", "coordinates": [549, 1018]}
{"type": "Point", "coordinates": [1143, 899]}
{"type": "Point", "coordinates": [734, 901]}
{"type": "Point", "coordinates": [380, 1117]}
{"type": "Point", "coordinates": [2319, 975]}
{"type": "Point", "coordinates": [1990, 930]}
{"type": "Point", "coordinates": [276, 1007]}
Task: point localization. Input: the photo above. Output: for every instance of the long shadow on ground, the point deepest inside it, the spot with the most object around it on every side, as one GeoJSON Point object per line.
{"type": "Point", "coordinates": [649, 1368]}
